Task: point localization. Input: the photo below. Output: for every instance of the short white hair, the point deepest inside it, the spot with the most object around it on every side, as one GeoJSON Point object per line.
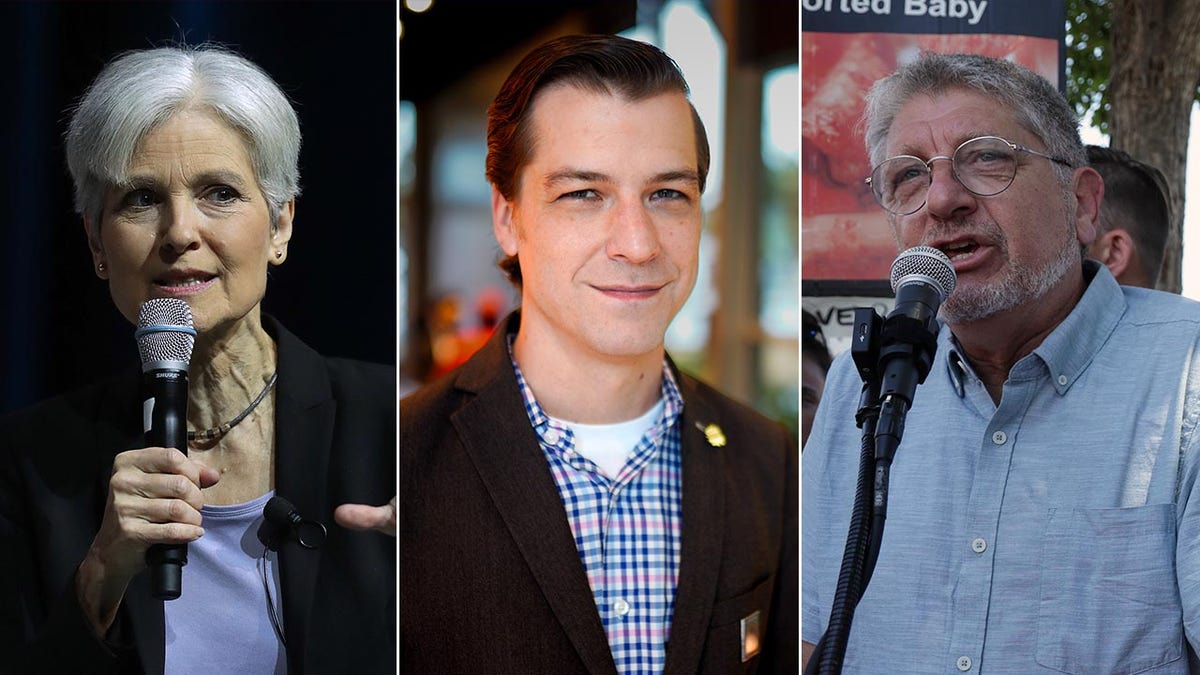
{"type": "Point", "coordinates": [140, 90]}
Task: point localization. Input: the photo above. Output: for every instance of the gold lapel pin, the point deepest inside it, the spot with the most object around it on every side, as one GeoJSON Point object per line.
{"type": "Point", "coordinates": [713, 433]}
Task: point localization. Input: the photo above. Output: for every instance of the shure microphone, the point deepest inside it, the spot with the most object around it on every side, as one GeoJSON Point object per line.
{"type": "Point", "coordinates": [922, 278]}
{"type": "Point", "coordinates": [165, 338]}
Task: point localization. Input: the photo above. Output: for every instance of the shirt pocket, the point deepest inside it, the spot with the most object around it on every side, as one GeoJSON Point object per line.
{"type": "Point", "coordinates": [723, 644]}
{"type": "Point", "coordinates": [1109, 598]}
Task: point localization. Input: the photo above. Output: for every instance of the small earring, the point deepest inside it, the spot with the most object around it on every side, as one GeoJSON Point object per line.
{"type": "Point", "coordinates": [278, 254]}
{"type": "Point", "coordinates": [101, 267]}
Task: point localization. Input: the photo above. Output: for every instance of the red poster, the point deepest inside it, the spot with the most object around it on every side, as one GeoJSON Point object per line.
{"type": "Point", "coordinates": [844, 233]}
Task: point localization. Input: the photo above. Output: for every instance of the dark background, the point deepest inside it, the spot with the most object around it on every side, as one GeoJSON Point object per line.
{"type": "Point", "coordinates": [337, 290]}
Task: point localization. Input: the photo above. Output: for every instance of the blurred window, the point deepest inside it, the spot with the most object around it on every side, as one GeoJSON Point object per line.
{"type": "Point", "coordinates": [407, 173]}
{"type": "Point", "coordinates": [778, 247]}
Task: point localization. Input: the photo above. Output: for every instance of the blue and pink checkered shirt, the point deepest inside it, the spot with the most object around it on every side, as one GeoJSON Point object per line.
{"type": "Point", "coordinates": [627, 529]}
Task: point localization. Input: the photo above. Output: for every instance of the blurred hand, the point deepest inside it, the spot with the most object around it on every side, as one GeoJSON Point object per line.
{"type": "Point", "coordinates": [364, 517]}
{"type": "Point", "coordinates": [153, 498]}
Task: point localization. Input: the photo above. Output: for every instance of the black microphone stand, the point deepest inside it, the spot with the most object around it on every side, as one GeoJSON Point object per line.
{"type": "Point", "coordinates": [854, 575]}
{"type": "Point", "coordinates": [875, 347]}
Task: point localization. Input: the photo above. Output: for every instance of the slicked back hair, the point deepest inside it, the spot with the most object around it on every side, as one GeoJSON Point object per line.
{"type": "Point", "coordinates": [605, 64]}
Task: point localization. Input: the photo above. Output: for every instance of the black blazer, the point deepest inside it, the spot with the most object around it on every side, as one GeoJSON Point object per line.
{"type": "Point", "coordinates": [490, 578]}
{"type": "Point", "coordinates": [335, 443]}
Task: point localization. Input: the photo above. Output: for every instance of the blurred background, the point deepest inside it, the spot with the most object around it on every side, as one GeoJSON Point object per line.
{"type": "Point", "coordinates": [337, 291]}
{"type": "Point", "coordinates": [739, 330]}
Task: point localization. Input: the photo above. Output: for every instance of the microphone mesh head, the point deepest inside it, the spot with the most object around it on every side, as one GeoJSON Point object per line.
{"type": "Point", "coordinates": [158, 337]}
{"type": "Point", "coordinates": [928, 264]}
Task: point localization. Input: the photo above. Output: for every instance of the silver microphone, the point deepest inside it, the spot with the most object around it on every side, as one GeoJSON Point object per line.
{"type": "Point", "coordinates": [165, 338]}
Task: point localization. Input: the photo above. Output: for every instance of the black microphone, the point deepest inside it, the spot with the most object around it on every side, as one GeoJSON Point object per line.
{"type": "Point", "coordinates": [281, 521]}
{"type": "Point", "coordinates": [922, 278]}
{"type": "Point", "coordinates": [165, 338]}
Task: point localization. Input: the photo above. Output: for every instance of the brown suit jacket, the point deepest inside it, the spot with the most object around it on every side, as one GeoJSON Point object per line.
{"type": "Point", "coordinates": [490, 578]}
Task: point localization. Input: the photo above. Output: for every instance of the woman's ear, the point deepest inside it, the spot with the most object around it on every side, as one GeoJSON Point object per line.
{"type": "Point", "coordinates": [99, 261]}
{"type": "Point", "coordinates": [281, 232]}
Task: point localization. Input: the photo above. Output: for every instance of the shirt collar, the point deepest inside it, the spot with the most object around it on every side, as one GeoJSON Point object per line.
{"type": "Point", "coordinates": [672, 407]}
{"type": "Point", "coordinates": [1070, 347]}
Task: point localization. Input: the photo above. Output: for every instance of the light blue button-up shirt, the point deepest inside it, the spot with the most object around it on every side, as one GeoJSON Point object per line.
{"type": "Point", "coordinates": [1056, 532]}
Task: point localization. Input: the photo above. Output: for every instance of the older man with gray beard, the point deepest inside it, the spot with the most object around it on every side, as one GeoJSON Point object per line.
{"type": "Point", "coordinates": [1040, 517]}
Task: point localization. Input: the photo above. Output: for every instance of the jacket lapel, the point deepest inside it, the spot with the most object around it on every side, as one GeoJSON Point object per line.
{"type": "Point", "coordinates": [701, 539]}
{"type": "Point", "coordinates": [496, 434]}
{"type": "Point", "coordinates": [304, 417]}
{"type": "Point", "coordinates": [145, 612]}
{"type": "Point", "coordinates": [148, 617]}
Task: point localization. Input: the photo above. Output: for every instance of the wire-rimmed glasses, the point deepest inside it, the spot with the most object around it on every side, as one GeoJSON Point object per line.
{"type": "Point", "coordinates": [985, 166]}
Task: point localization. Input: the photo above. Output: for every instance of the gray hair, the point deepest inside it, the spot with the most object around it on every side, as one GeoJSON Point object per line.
{"type": "Point", "coordinates": [1036, 104]}
{"type": "Point", "coordinates": [140, 90]}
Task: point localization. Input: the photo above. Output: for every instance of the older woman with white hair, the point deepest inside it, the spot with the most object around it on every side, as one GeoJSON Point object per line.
{"type": "Point", "coordinates": [184, 162]}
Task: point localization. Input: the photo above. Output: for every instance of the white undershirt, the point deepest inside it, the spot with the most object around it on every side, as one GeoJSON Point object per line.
{"type": "Point", "coordinates": [608, 446]}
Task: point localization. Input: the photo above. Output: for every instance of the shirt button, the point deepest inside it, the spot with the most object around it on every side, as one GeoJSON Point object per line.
{"type": "Point", "coordinates": [552, 436]}
{"type": "Point", "coordinates": [999, 437]}
{"type": "Point", "coordinates": [1062, 380]}
{"type": "Point", "coordinates": [979, 545]}
{"type": "Point", "coordinates": [621, 607]}
{"type": "Point", "coordinates": [964, 663]}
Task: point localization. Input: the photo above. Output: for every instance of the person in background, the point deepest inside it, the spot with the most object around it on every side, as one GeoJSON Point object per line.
{"type": "Point", "coordinates": [1134, 217]}
{"type": "Point", "coordinates": [1042, 515]}
{"type": "Point", "coordinates": [814, 364]}
{"type": "Point", "coordinates": [184, 161]}
{"type": "Point", "coordinates": [570, 501]}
